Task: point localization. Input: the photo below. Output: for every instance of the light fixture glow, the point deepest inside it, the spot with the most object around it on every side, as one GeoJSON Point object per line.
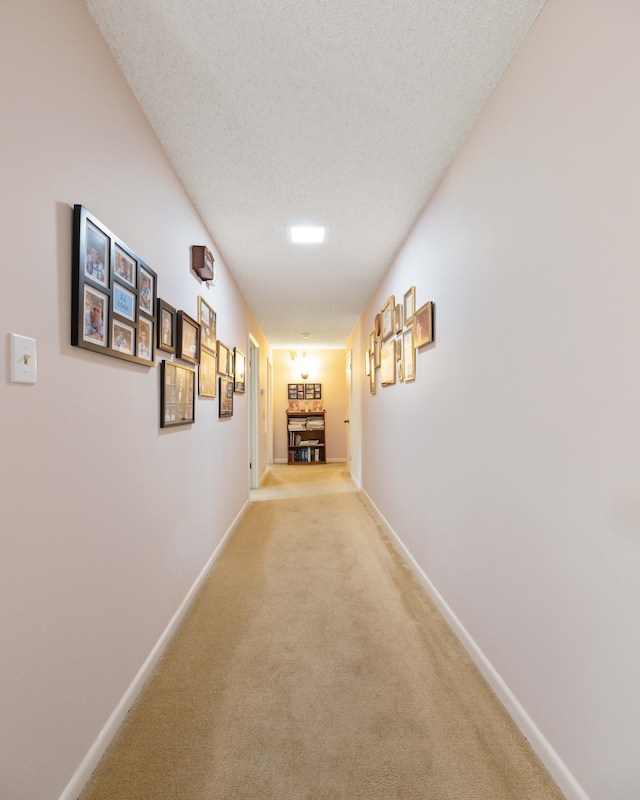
{"type": "Point", "coordinates": [307, 234]}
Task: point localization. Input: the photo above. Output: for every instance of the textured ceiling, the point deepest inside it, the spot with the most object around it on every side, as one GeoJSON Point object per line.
{"type": "Point", "coordinates": [282, 111]}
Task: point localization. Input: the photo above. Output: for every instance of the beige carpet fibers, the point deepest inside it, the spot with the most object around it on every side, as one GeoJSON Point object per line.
{"type": "Point", "coordinates": [311, 666]}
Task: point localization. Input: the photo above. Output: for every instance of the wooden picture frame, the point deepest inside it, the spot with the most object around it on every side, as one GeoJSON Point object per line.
{"type": "Point", "coordinates": [377, 326]}
{"type": "Point", "coordinates": [376, 354]}
{"type": "Point", "coordinates": [294, 405]}
{"type": "Point", "coordinates": [207, 318]}
{"type": "Point", "coordinates": [105, 293]}
{"type": "Point", "coordinates": [423, 325]}
{"type": "Point", "coordinates": [239, 371]}
{"type": "Point", "coordinates": [207, 374]}
{"type": "Point", "coordinates": [225, 409]}
{"type": "Point", "coordinates": [387, 318]}
{"type": "Point", "coordinates": [317, 405]}
{"type": "Point", "coordinates": [372, 376]}
{"type": "Point", "coordinates": [397, 319]}
{"type": "Point", "coordinates": [145, 339]}
{"type": "Point", "coordinates": [367, 362]}
{"type": "Point", "coordinates": [177, 394]}
{"type": "Point", "coordinates": [187, 338]}
{"type": "Point", "coordinates": [166, 316]}
{"type": "Point", "coordinates": [388, 363]}
{"type": "Point", "coordinates": [225, 366]}
{"type": "Point", "coordinates": [408, 356]}
{"type": "Point", "coordinates": [409, 305]}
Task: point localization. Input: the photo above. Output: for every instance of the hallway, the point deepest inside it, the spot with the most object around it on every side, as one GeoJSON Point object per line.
{"type": "Point", "coordinates": [312, 665]}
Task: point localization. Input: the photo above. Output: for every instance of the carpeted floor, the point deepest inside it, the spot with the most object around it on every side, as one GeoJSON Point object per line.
{"type": "Point", "coordinates": [312, 666]}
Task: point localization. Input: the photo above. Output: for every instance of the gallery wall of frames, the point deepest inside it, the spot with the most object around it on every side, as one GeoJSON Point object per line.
{"type": "Point", "coordinates": [116, 311]}
{"type": "Point", "coordinates": [399, 331]}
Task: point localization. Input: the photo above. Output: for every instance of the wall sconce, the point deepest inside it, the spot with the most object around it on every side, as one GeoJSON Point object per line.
{"type": "Point", "coordinates": [304, 367]}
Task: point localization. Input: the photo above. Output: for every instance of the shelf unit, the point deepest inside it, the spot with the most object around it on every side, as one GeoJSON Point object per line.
{"type": "Point", "coordinates": [305, 432]}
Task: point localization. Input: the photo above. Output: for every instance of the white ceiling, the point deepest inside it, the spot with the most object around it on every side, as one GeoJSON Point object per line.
{"type": "Point", "coordinates": [343, 113]}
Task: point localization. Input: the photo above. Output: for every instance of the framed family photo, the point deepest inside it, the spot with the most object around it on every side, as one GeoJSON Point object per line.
{"type": "Point", "coordinates": [208, 374]}
{"type": "Point", "coordinates": [423, 325]}
{"type": "Point", "coordinates": [112, 294]}
{"type": "Point", "coordinates": [225, 357]}
{"type": "Point", "coordinates": [388, 363]}
{"type": "Point", "coordinates": [387, 323]}
{"type": "Point", "coordinates": [207, 319]}
{"type": "Point", "coordinates": [187, 338]}
{"type": "Point", "coordinates": [226, 397]}
{"type": "Point", "coordinates": [239, 370]}
{"type": "Point", "coordinates": [166, 315]}
{"type": "Point", "coordinates": [177, 394]}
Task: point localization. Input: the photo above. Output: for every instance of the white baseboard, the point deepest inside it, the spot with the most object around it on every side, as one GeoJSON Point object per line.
{"type": "Point", "coordinates": [98, 748]}
{"type": "Point", "coordinates": [558, 770]}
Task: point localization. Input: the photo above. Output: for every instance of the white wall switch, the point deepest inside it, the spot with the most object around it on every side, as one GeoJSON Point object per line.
{"type": "Point", "coordinates": [23, 359]}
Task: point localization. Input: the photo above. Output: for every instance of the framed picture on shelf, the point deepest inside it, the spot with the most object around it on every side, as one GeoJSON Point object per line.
{"type": "Point", "coordinates": [226, 397]}
{"type": "Point", "coordinates": [166, 327]}
{"type": "Point", "coordinates": [387, 318]}
{"type": "Point", "coordinates": [207, 319]}
{"type": "Point", "coordinates": [408, 356]}
{"type": "Point", "coordinates": [239, 370]}
{"type": "Point", "coordinates": [317, 405]}
{"type": "Point", "coordinates": [388, 364]}
{"type": "Point", "coordinates": [208, 374]}
{"type": "Point", "coordinates": [177, 394]}
{"type": "Point", "coordinates": [187, 338]}
{"type": "Point", "coordinates": [423, 325]}
{"type": "Point", "coordinates": [409, 305]}
{"type": "Point", "coordinates": [294, 405]}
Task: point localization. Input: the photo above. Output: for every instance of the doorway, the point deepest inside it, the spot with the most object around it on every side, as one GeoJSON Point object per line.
{"type": "Point", "coordinates": [254, 413]}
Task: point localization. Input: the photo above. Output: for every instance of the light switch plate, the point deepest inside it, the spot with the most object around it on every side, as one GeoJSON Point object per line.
{"type": "Point", "coordinates": [23, 359]}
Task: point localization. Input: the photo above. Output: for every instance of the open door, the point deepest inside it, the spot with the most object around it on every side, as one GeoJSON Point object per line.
{"type": "Point", "coordinates": [254, 413]}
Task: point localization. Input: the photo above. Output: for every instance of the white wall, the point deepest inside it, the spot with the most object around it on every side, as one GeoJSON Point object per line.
{"type": "Point", "coordinates": [106, 520]}
{"type": "Point", "coordinates": [510, 469]}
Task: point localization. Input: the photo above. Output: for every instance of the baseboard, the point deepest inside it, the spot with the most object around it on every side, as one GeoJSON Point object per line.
{"type": "Point", "coordinates": [558, 770]}
{"type": "Point", "coordinates": [98, 748]}
{"type": "Point", "coordinates": [280, 461]}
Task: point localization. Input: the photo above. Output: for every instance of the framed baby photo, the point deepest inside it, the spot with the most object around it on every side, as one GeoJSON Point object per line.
{"type": "Point", "coordinates": [187, 338]}
{"type": "Point", "coordinates": [166, 316]}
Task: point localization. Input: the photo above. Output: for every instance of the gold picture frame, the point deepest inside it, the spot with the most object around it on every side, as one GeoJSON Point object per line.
{"type": "Point", "coordinates": [388, 363]}
{"type": "Point", "coordinates": [387, 318]}
{"type": "Point", "coordinates": [409, 305]}
{"type": "Point", "coordinates": [423, 325]}
{"type": "Point", "coordinates": [408, 356]}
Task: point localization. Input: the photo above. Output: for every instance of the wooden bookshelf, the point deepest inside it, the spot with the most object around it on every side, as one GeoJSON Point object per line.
{"type": "Point", "coordinates": [305, 432]}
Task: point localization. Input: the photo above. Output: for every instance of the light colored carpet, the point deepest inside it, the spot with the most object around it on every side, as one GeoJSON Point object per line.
{"type": "Point", "coordinates": [312, 666]}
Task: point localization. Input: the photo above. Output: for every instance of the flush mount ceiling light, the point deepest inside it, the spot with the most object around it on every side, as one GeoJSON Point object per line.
{"type": "Point", "coordinates": [306, 234]}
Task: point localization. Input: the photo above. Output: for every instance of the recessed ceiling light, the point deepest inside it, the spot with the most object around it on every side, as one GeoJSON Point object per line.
{"type": "Point", "coordinates": [306, 234]}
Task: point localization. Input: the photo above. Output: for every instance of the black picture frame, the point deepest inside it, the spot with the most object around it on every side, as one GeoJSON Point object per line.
{"type": "Point", "coordinates": [225, 409]}
{"type": "Point", "coordinates": [106, 312]}
{"type": "Point", "coordinates": [187, 338]}
{"type": "Point", "coordinates": [177, 394]}
{"type": "Point", "coordinates": [239, 371]}
{"type": "Point", "coordinates": [313, 391]}
{"type": "Point", "coordinates": [166, 327]}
